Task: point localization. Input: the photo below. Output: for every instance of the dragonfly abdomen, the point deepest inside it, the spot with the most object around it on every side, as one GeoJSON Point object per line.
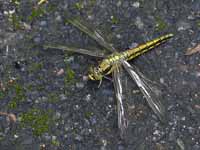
{"type": "Point", "coordinates": [132, 53]}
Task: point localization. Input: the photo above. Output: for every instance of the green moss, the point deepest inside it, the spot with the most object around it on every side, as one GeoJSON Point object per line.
{"type": "Point", "coordinates": [55, 142]}
{"type": "Point", "coordinates": [198, 23]}
{"type": "Point", "coordinates": [92, 2]}
{"type": "Point", "coordinates": [114, 20]}
{"type": "Point", "coordinates": [16, 21]}
{"type": "Point", "coordinates": [51, 7]}
{"type": "Point", "coordinates": [88, 114]}
{"type": "Point", "coordinates": [35, 67]}
{"type": "Point", "coordinates": [40, 87]}
{"type": "Point", "coordinates": [29, 87]}
{"type": "Point", "coordinates": [19, 96]}
{"type": "Point", "coordinates": [39, 120]}
{"type": "Point", "coordinates": [53, 98]}
{"type": "Point", "coordinates": [36, 12]}
{"type": "Point", "coordinates": [79, 5]}
{"type": "Point", "coordinates": [19, 93]}
{"type": "Point", "coordinates": [12, 105]}
{"type": "Point", "coordinates": [2, 94]}
{"type": "Point", "coordinates": [70, 76]}
{"type": "Point", "coordinates": [160, 24]}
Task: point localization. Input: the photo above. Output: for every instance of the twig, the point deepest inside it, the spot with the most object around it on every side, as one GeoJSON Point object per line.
{"type": "Point", "coordinates": [11, 116]}
{"type": "Point", "coordinates": [193, 50]}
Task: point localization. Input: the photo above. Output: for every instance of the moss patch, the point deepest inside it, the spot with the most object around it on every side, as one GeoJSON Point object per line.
{"type": "Point", "coordinates": [114, 20]}
{"type": "Point", "coordinates": [35, 67]}
{"type": "Point", "coordinates": [79, 5]}
{"type": "Point", "coordinates": [19, 96]}
{"type": "Point", "coordinates": [2, 94]}
{"type": "Point", "coordinates": [70, 76]}
{"type": "Point", "coordinates": [55, 142]}
{"type": "Point", "coordinates": [160, 24]}
{"type": "Point", "coordinates": [39, 120]}
{"type": "Point", "coordinates": [53, 98]}
{"type": "Point", "coordinates": [36, 12]}
{"type": "Point", "coordinates": [198, 23]}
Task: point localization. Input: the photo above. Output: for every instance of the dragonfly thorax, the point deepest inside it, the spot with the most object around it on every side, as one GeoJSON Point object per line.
{"type": "Point", "coordinates": [105, 67]}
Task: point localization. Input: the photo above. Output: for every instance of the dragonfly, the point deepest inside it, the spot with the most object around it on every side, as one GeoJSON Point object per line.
{"type": "Point", "coordinates": [113, 64]}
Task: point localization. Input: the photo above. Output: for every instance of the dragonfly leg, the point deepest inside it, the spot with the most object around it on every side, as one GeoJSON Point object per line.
{"type": "Point", "coordinates": [100, 81]}
{"type": "Point", "coordinates": [108, 78]}
{"type": "Point", "coordinates": [111, 70]}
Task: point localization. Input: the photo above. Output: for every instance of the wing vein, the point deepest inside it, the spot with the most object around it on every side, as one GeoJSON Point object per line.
{"type": "Point", "coordinates": [148, 92]}
{"type": "Point", "coordinates": [94, 34]}
{"type": "Point", "coordinates": [76, 50]}
{"type": "Point", "coordinates": [122, 121]}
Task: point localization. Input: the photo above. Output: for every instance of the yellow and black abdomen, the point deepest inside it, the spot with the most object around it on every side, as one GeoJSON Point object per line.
{"type": "Point", "coordinates": [132, 53]}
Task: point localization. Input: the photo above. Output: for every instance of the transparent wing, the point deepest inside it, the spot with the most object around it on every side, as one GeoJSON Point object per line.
{"type": "Point", "coordinates": [147, 90]}
{"type": "Point", "coordinates": [76, 50]}
{"type": "Point", "coordinates": [122, 121]}
{"type": "Point", "coordinates": [95, 35]}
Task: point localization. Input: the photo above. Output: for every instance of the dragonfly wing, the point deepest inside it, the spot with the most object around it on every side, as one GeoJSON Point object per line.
{"type": "Point", "coordinates": [122, 121]}
{"type": "Point", "coordinates": [76, 50]}
{"type": "Point", "coordinates": [94, 34]}
{"type": "Point", "coordinates": [147, 90]}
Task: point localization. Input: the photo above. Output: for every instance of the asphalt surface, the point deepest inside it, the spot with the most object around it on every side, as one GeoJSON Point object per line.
{"type": "Point", "coordinates": [56, 109]}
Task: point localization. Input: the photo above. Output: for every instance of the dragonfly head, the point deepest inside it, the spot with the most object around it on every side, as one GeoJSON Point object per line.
{"type": "Point", "coordinates": [95, 73]}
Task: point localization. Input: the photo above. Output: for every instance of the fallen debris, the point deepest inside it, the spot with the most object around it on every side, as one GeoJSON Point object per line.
{"type": "Point", "coordinates": [60, 72]}
{"type": "Point", "coordinates": [11, 117]}
{"type": "Point", "coordinates": [193, 50]}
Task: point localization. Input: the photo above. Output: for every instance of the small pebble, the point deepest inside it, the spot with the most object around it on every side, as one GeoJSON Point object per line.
{"type": "Point", "coordinates": [63, 97]}
{"type": "Point", "coordinates": [69, 59]}
{"type": "Point", "coordinates": [183, 118]}
{"type": "Point", "coordinates": [53, 137]}
{"type": "Point", "coordinates": [162, 80]}
{"type": "Point", "coordinates": [37, 39]}
{"type": "Point", "coordinates": [16, 136]}
{"type": "Point", "coordinates": [80, 85]}
{"type": "Point", "coordinates": [58, 115]}
{"type": "Point", "coordinates": [119, 3]}
{"type": "Point", "coordinates": [78, 138]}
{"type": "Point", "coordinates": [104, 142]}
{"type": "Point", "coordinates": [139, 23]}
{"type": "Point", "coordinates": [136, 4]}
{"type": "Point", "coordinates": [118, 36]}
{"type": "Point", "coordinates": [43, 23]}
{"type": "Point", "coordinates": [88, 98]}
{"type": "Point", "coordinates": [133, 45]}
{"type": "Point", "coordinates": [156, 132]}
{"type": "Point", "coordinates": [58, 18]}
{"type": "Point", "coordinates": [85, 78]}
{"type": "Point", "coordinates": [183, 26]}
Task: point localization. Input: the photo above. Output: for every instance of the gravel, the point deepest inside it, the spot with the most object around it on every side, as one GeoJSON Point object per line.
{"type": "Point", "coordinates": [78, 114]}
